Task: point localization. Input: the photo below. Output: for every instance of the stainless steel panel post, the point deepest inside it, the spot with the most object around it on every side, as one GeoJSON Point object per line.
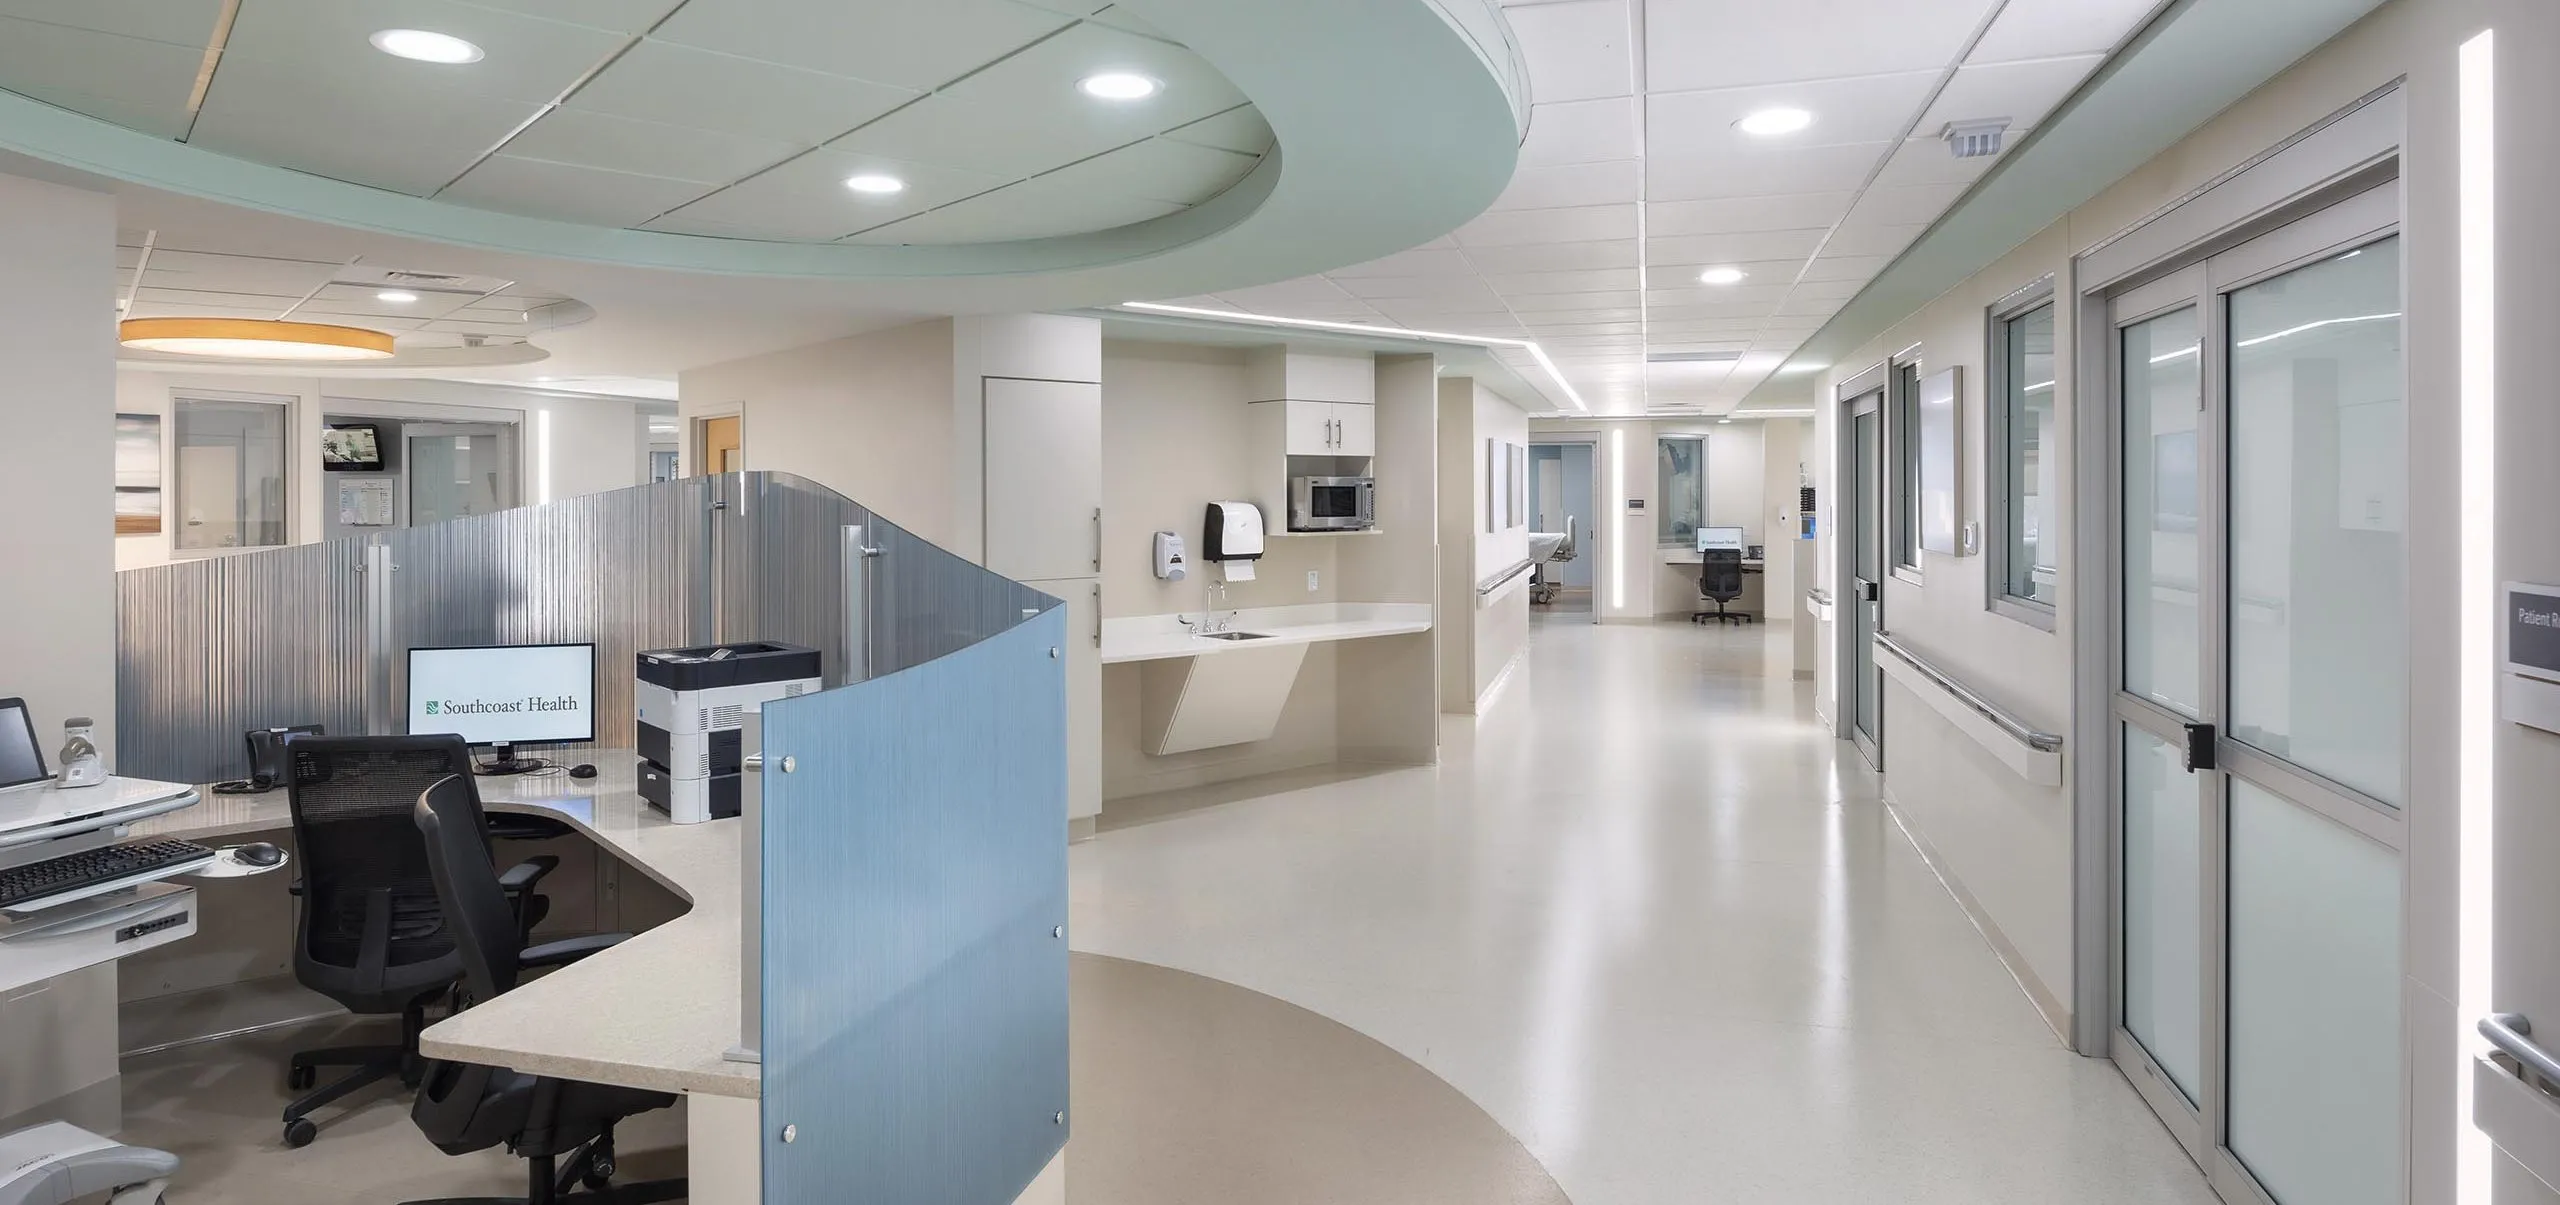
{"type": "Point", "coordinates": [378, 639]}
{"type": "Point", "coordinates": [750, 1047]}
{"type": "Point", "coordinates": [858, 556]}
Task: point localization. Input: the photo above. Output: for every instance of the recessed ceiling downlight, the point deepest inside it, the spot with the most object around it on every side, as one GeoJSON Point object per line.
{"type": "Point", "coordinates": [1773, 123]}
{"type": "Point", "coordinates": [426, 46]}
{"type": "Point", "coordinates": [253, 339]}
{"type": "Point", "coordinates": [1722, 276]}
{"type": "Point", "coordinates": [396, 296]}
{"type": "Point", "coordinates": [1119, 85]}
{"type": "Point", "coordinates": [875, 184]}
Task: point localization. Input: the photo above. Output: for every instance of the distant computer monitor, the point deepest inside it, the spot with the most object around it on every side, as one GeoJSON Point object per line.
{"type": "Point", "coordinates": [1713, 538]}
{"type": "Point", "coordinates": [505, 695]}
{"type": "Point", "coordinates": [21, 758]}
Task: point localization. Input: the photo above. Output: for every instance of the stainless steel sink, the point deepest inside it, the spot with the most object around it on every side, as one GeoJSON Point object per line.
{"type": "Point", "coordinates": [1235, 635]}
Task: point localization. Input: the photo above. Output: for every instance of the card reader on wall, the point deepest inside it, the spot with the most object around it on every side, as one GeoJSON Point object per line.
{"type": "Point", "coordinates": [1233, 541]}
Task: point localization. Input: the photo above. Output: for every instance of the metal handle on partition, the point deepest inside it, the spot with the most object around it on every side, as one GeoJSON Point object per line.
{"type": "Point", "coordinates": [2512, 1034]}
{"type": "Point", "coordinates": [857, 605]}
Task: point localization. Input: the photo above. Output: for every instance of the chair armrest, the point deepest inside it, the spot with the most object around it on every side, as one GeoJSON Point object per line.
{"type": "Point", "coordinates": [521, 877]}
{"type": "Point", "coordinates": [568, 949]}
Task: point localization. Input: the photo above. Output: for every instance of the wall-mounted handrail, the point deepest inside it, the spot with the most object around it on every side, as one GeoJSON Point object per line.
{"type": "Point", "coordinates": [2025, 734]}
{"type": "Point", "coordinates": [2513, 1036]}
{"type": "Point", "coordinates": [1499, 580]}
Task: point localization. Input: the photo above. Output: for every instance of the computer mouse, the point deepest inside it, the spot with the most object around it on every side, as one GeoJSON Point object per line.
{"type": "Point", "coordinates": [259, 853]}
{"type": "Point", "coordinates": [582, 770]}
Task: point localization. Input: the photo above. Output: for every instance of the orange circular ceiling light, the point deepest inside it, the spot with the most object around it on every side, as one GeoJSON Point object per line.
{"type": "Point", "coordinates": [253, 339]}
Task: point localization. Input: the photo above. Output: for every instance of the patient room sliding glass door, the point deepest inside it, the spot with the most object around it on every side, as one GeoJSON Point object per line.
{"type": "Point", "coordinates": [2260, 531]}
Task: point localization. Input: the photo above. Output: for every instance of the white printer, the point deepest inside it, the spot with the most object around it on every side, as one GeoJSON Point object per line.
{"type": "Point", "coordinates": [689, 705]}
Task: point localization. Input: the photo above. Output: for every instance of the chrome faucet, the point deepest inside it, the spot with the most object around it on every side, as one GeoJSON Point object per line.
{"type": "Point", "coordinates": [1219, 618]}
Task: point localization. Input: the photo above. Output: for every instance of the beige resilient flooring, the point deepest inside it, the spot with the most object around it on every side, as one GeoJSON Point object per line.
{"type": "Point", "coordinates": [1184, 1089]}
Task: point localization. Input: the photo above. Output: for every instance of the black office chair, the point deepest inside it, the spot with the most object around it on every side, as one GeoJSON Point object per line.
{"type": "Point", "coordinates": [1720, 580]}
{"type": "Point", "coordinates": [370, 933]}
{"type": "Point", "coordinates": [466, 1107]}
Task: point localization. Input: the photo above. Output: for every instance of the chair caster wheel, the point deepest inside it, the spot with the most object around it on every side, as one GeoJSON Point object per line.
{"type": "Point", "coordinates": [299, 1132]}
{"type": "Point", "coordinates": [300, 1079]}
{"type": "Point", "coordinates": [599, 1176]}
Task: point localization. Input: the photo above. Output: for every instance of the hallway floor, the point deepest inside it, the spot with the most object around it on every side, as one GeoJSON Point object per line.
{"type": "Point", "coordinates": [1660, 927]}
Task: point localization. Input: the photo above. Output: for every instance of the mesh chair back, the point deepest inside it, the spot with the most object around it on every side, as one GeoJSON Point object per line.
{"type": "Point", "coordinates": [1720, 574]}
{"type": "Point", "coordinates": [363, 863]}
{"type": "Point", "coordinates": [483, 923]}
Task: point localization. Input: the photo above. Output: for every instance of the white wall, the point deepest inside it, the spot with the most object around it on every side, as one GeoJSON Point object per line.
{"type": "Point", "coordinates": [1479, 642]}
{"type": "Point", "coordinates": [868, 416]}
{"type": "Point", "coordinates": [596, 442]}
{"type": "Point", "coordinates": [57, 462]}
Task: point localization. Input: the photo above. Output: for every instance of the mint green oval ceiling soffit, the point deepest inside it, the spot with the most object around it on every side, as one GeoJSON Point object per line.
{"type": "Point", "coordinates": [1393, 122]}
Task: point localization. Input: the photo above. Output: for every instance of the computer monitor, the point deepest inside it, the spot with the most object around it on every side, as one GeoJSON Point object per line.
{"type": "Point", "coordinates": [21, 758]}
{"type": "Point", "coordinates": [504, 696]}
{"type": "Point", "coordinates": [1711, 539]}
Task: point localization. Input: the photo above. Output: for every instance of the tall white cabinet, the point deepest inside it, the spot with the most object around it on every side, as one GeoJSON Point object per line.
{"type": "Point", "coordinates": [1030, 386]}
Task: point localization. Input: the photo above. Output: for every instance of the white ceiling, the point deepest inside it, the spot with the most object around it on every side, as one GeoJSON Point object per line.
{"type": "Point", "coordinates": [731, 118]}
{"type": "Point", "coordinates": [190, 278]}
{"type": "Point", "coordinates": [1633, 179]}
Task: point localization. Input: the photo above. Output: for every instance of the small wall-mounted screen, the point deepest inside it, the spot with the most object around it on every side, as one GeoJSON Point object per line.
{"type": "Point", "coordinates": [351, 448]}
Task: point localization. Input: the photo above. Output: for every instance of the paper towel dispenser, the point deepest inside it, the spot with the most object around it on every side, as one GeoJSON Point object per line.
{"type": "Point", "coordinates": [1234, 532]}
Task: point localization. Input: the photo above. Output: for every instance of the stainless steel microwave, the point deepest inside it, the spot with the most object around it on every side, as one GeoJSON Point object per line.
{"type": "Point", "coordinates": [1333, 503]}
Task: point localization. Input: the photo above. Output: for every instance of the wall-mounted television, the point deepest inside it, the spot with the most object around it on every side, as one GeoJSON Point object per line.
{"type": "Point", "coordinates": [351, 448]}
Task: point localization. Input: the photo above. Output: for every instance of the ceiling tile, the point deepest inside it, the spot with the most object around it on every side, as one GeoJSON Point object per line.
{"type": "Point", "coordinates": [1120, 16]}
{"type": "Point", "coordinates": [1576, 50]}
{"type": "Point", "coordinates": [1238, 129]}
{"type": "Point", "coordinates": [1867, 109]}
{"type": "Point", "coordinates": [1707, 249]}
{"type": "Point", "coordinates": [1846, 267]}
{"type": "Point", "coordinates": [1554, 257]}
{"type": "Point", "coordinates": [1158, 169]}
{"type": "Point", "coordinates": [1835, 291]}
{"type": "Point", "coordinates": [682, 86]}
{"type": "Point", "coordinates": [1693, 44]}
{"type": "Point", "coordinates": [1855, 237]}
{"type": "Point", "coordinates": [1287, 292]}
{"type": "Point", "coordinates": [1420, 262]}
{"type": "Point", "coordinates": [2021, 92]}
{"type": "Point", "coordinates": [1024, 115]}
{"type": "Point", "coordinates": [171, 268]}
{"type": "Point", "coordinates": [1046, 207]}
{"type": "Point", "coordinates": [1681, 288]}
{"type": "Point", "coordinates": [1513, 227]}
{"type": "Point", "coordinates": [806, 198]}
{"type": "Point", "coordinates": [1926, 160]}
{"type": "Point", "coordinates": [1461, 292]}
{"type": "Point", "coordinates": [1565, 187]}
{"type": "Point", "coordinates": [647, 148]}
{"type": "Point", "coordinates": [619, 16]}
{"type": "Point", "coordinates": [528, 58]}
{"type": "Point", "coordinates": [1582, 131]}
{"type": "Point", "coordinates": [398, 134]}
{"type": "Point", "coordinates": [1738, 215]}
{"type": "Point", "coordinates": [569, 192]}
{"type": "Point", "coordinates": [1908, 204]}
{"type": "Point", "coordinates": [178, 22]}
{"type": "Point", "coordinates": [1530, 305]}
{"type": "Point", "coordinates": [911, 45]}
{"type": "Point", "coordinates": [1762, 172]}
{"type": "Point", "coordinates": [1813, 307]}
{"type": "Point", "coordinates": [133, 82]}
{"type": "Point", "coordinates": [1542, 319]}
{"type": "Point", "coordinates": [270, 303]}
{"type": "Point", "coordinates": [2029, 29]}
{"type": "Point", "coordinates": [1608, 280]}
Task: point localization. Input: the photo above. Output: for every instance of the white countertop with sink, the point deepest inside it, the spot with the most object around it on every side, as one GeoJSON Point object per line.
{"type": "Point", "coordinates": [1155, 637]}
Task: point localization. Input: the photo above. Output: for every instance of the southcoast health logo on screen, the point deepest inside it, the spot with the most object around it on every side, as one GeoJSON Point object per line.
{"type": "Point", "coordinates": [503, 706]}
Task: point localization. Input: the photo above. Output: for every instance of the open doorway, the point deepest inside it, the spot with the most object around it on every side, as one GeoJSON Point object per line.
{"type": "Point", "coordinates": [1563, 537]}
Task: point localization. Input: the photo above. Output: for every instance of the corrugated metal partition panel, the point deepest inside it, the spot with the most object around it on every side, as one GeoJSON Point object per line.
{"type": "Point", "coordinates": [782, 573]}
{"type": "Point", "coordinates": [616, 569]}
{"type": "Point", "coordinates": [914, 956]}
{"type": "Point", "coordinates": [207, 649]}
{"type": "Point", "coordinates": [928, 603]}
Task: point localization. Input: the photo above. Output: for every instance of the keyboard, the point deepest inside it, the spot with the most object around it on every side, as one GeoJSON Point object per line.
{"type": "Point", "coordinates": [97, 871]}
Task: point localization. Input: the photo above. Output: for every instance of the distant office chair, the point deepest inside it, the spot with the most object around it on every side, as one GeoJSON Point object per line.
{"type": "Point", "coordinates": [1720, 581]}
{"type": "Point", "coordinates": [370, 933]}
{"type": "Point", "coordinates": [466, 1107]}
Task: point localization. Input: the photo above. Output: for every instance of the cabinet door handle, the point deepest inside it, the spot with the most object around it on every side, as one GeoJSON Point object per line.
{"type": "Point", "coordinates": [1097, 539]}
{"type": "Point", "coordinates": [1097, 615]}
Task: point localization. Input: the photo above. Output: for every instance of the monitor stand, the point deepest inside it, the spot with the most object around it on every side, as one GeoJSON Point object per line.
{"type": "Point", "coordinates": [506, 763]}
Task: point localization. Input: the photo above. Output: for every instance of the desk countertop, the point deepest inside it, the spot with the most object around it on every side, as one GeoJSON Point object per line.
{"type": "Point", "coordinates": [655, 1012]}
{"type": "Point", "coordinates": [1156, 637]}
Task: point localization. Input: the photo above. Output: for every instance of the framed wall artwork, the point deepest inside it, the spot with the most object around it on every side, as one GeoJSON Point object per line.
{"type": "Point", "coordinates": [137, 474]}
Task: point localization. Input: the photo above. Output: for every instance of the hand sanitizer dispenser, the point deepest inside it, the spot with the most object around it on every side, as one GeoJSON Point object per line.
{"type": "Point", "coordinates": [1169, 562]}
{"type": "Point", "coordinates": [1233, 541]}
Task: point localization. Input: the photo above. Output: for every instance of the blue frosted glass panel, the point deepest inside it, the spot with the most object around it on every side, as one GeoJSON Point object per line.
{"type": "Point", "coordinates": [915, 985]}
